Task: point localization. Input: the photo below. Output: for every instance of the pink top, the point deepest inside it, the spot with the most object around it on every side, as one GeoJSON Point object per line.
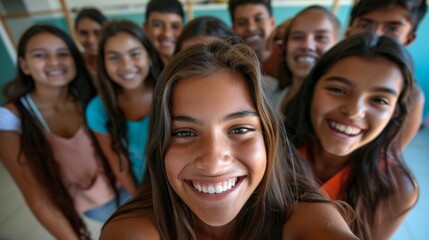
{"type": "Point", "coordinates": [81, 170]}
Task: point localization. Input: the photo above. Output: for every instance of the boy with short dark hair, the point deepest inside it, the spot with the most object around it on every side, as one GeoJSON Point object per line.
{"type": "Point", "coordinates": [163, 25]}
{"type": "Point", "coordinates": [252, 21]}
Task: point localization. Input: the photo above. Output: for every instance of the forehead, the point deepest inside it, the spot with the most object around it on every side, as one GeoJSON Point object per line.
{"type": "Point", "coordinates": [368, 72]}
{"type": "Point", "coordinates": [45, 40]}
{"type": "Point", "coordinates": [249, 10]}
{"type": "Point", "coordinates": [165, 17]}
{"type": "Point", "coordinates": [86, 23]}
{"type": "Point", "coordinates": [221, 90]}
{"type": "Point", "coordinates": [388, 14]}
{"type": "Point", "coordinates": [312, 20]}
{"type": "Point", "coordinates": [122, 40]}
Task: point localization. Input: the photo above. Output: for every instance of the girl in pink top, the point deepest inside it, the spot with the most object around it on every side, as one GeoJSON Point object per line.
{"type": "Point", "coordinates": [44, 143]}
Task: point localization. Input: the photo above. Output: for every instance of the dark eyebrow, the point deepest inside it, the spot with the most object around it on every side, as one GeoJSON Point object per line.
{"type": "Point", "coordinates": [235, 115]}
{"type": "Point", "coordinates": [348, 83]}
{"type": "Point", "coordinates": [240, 114]}
{"type": "Point", "coordinates": [183, 118]}
{"type": "Point", "coordinates": [394, 22]}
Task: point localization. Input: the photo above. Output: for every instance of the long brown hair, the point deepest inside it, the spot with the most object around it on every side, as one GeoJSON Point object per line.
{"type": "Point", "coordinates": [282, 186]}
{"type": "Point", "coordinates": [34, 145]}
{"type": "Point", "coordinates": [109, 93]}
{"type": "Point", "coordinates": [368, 183]}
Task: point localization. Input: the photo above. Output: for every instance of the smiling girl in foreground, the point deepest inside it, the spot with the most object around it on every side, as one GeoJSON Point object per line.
{"type": "Point", "coordinates": [356, 98]}
{"type": "Point", "coordinates": [217, 164]}
{"type": "Point", "coordinates": [119, 116]}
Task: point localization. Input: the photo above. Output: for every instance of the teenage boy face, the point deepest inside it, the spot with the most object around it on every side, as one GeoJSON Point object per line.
{"type": "Point", "coordinates": [163, 29]}
{"type": "Point", "coordinates": [393, 21]}
{"type": "Point", "coordinates": [253, 23]}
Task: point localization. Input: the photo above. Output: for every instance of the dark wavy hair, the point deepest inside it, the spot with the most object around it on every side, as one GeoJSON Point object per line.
{"type": "Point", "coordinates": [34, 145]}
{"type": "Point", "coordinates": [206, 26]}
{"type": "Point", "coordinates": [109, 90]}
{"type": "Point", "coordinates": [283, 184]}
{"type": "Point", "coordinates": [368, 183]}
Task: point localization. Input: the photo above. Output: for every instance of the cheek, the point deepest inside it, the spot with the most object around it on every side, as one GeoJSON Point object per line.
{"type": "Point", "coordinates": [253, 155]}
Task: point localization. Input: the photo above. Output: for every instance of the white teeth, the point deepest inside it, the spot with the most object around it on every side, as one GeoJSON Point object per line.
{"type": "Point", "coordinates": [253, 38]}
{"type": "Point", "coordinates": [310, 60]}
{"type": "Point", "coordinates": [167, 43]}
{"type": "Point", "coordinates": [55, 73]}
{"type": "Point", "coordinates": [344, 129]}
{"type": "Point", "coordinates": [129, 76]}
{"type": "Point", "coordinates": [215, 188]}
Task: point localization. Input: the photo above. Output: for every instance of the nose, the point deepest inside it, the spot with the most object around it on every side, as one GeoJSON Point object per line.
{"type": "Point", "coordinates": [53, 59]}
{"type": "Point", "coordinates": [378, 30]}
{"type": "Point", "coordinates": [92, 38]}
{"type": "Point", "coordinates": [354, 107]}
{"type": "Point", "coordinates": [309, 43]}
{"type": "Point", "coordinates": [126, 62]}
{"type": "Point", "coordinates": [167, 31]}
{"type": "Point", "coordinates": [214, 155]}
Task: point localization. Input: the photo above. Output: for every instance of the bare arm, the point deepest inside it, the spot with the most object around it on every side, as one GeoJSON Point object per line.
{"type": "Point", "coordinates": [414, 117]}
{"type": "Point", "coordinates": [35, 194]}
{"type": "Point", "coordinates": [391, 213]}
{"type": "Point", "coordinates": [317, 221]}
{"type": "Point", "coordinates": [125, 176]}
{"type": "Point", "coordinates": [138, 225]}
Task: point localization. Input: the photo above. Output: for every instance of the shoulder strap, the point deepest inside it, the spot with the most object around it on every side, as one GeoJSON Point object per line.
{"type": "Point", "coordinates": [29, 104]}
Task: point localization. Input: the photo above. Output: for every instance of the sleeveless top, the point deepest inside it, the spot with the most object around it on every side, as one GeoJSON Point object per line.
{"type": "Point", "coordinates": [80, 169]}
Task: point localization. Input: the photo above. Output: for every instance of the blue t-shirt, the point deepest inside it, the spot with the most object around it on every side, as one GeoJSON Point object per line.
{"type": "Point", "coordinates": [137, 135]}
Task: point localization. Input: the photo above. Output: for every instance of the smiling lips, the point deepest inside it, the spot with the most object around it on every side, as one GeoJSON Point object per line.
{"type": "Point", "coordinates": [344, 129]}
{"type": "Point", "coordinates": [214, 188]}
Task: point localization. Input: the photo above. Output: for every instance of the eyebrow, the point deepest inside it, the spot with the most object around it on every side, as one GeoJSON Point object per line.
{"type": "Point", "coordinates": [130, 50]}
{"type": "Point", "coordinates": [350, 84]}
{"type": "Point", "coordinates": [395, 22]}
{"type": "Point", "coordinates": [235, 115]}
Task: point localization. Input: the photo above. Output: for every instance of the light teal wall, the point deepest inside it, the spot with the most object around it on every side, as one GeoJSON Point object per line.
{"type": "Point", "coordinates": [419, 49]}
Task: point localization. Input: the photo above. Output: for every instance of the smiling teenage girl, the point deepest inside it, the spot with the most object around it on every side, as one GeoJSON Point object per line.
{"type": "Point", "coordinates": [44, 142]}
{"type": "Point", "coordinates": [223, 173]}
{"type": "Point", "coordinates": [357, 98]}
{"type": "Point", "coordinates": [128, 68]}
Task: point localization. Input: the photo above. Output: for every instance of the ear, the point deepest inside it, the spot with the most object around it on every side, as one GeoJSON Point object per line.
{"type": "Point", "coordinates": [410, 39]}
{"type": "Point", "coordinates": [23, 65]}
{"type": "Point", "coordinates": [144, 26]}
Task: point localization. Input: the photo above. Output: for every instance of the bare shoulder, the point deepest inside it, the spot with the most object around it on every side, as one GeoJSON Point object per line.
{"type": "Point", "coordinates": [12, 108]}
{"type": "Point", "coordinates": [139, 225]}
{"type": "Point", "coordinates": [316, 221]}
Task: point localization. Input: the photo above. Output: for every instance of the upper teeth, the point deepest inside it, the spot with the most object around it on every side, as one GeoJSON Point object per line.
{"type": "Point", "coordinates": [215, 188]}
{"type": "Point", "coordinates": [253, 38]}
{"type": "Point", "coordinates": [306, 59]}
{"type": "Point", "coordinates": [344, 128]}
{"type": "Point", "coordinates": [55, 73]}
{"type": "Point", "coordinates": [129, 76]}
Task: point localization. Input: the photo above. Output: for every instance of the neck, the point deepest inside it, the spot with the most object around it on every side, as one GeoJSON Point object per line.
{"type": "Point", "coordinates": [91, 61]}
{"type": "Point", "coordinates": [136, 93]}
{"type": "Point", "coordinates": [204, 231]}
{"type": "Point", "coordinates": [324, 164]}
{"type": "Point", "coordinates": [263, 55]}
{"type": "Point", "coordinates": [49, 97]}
